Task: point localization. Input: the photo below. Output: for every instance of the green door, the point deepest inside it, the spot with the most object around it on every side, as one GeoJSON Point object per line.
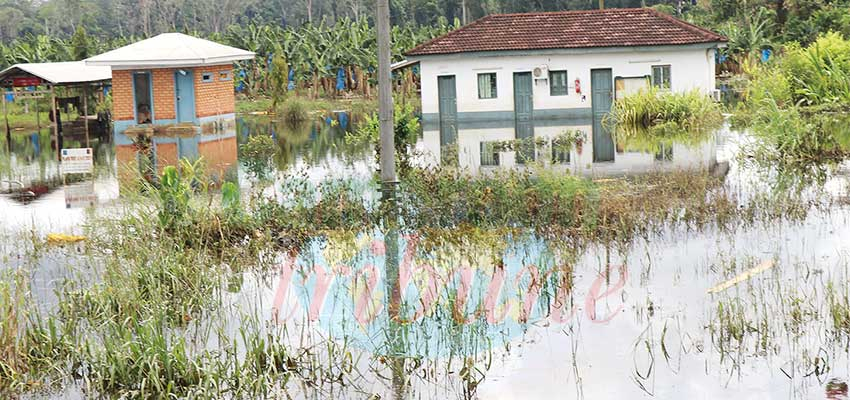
{"type": "Point", "coordinates": [447, 93]}
{"type": "Point", "coordinates": [524, 114]}
{"type": "Point", "coordinates": [602, 90]}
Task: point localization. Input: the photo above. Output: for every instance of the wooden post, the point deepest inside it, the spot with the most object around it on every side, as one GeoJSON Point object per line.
{"type": "Point", "coordinates": [385, 96]}
{"type": "Point", "coordinates": [86, 112]}
{"type": "Point", "coordinates": [55, 120]}
{"type": "Point", "coordinates": [37, 115]}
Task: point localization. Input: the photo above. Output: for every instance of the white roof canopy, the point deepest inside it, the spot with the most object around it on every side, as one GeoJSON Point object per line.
{"type": "Point", "coordinates": [60, 73]}
{"type": "Point", "coordinates": [170, 50]}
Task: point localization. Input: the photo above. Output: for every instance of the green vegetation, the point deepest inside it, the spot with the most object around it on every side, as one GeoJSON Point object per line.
{"type": "Point", "coordinates": [664, 115]}
{"type": "Point", "coordinates": [797, 104]}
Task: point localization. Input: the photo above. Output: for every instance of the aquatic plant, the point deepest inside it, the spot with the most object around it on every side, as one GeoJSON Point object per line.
{"type": "Point", "coordinates": [664, 112]}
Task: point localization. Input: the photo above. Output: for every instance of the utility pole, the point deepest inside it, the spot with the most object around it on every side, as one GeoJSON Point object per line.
{"type": "Point", "coordinates": [601, 4]}
{"type": "Point", "coordinates": [385, 97]}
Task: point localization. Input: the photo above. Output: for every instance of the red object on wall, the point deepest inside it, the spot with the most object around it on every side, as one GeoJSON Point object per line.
{"type": "Point", "coordinates": [27, 81]}
{"type": "Point", "coordinates": [578, 86]}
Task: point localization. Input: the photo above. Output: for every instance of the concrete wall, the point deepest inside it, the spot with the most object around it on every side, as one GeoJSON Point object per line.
{"type": "Point", "coordinates": [691, 68]}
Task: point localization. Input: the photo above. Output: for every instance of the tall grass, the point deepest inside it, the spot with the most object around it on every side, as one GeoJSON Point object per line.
{"type": "Point", "coordinates": [663, 111]}
{"type": "Point", "coordinates": [796, 104]}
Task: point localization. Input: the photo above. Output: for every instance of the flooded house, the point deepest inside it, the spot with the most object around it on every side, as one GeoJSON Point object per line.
{"type": "Point", "coordinates": [173, 98]}
{"type": "Point", "coordinates": [535, 75]}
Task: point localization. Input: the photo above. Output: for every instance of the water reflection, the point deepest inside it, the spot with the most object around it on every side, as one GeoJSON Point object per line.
{"type": "Point", "coordinates": [475, 152]}
{"type": "Point", "coordinates": [311, 143]}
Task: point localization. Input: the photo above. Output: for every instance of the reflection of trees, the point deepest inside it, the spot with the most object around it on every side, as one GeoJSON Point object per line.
{"type": "Point", "coordinates": [312, 141]}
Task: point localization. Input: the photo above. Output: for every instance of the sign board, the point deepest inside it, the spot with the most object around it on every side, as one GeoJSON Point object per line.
{"type": "Point", "coordinates": [77, 161]}
{"type": "Point", "coordinates": [26, 81]}
{"type": "Point", "coordinates": [80, 195]}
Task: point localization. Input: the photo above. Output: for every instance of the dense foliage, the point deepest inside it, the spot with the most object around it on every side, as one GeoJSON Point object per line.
{"type": "Point", "coordinates": [319, 36]}
{"type": "Point", "coordinates": [798, 102]}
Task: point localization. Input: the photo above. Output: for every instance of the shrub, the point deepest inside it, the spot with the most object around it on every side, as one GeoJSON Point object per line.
{"type": "Point", "coordinates": [294, 110]}
{"type": "Point", "coordinates": [651, 107]}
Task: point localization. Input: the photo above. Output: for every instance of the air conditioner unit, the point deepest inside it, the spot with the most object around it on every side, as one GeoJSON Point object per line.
{"type": "Point", "coordinates": [541, 72]}
{"type": "Point", "coordinates": [716, 95]}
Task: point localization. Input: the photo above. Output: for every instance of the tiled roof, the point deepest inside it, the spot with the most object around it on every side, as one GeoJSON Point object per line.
{"type": "Point", "coordinates": [615, 27]}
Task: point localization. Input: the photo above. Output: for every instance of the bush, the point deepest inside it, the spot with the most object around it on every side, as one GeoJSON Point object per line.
{"type": "Point", "coordinates": [653, 112]}
{"type": "Point", "coordinates": [796, 104]}
{"type": "Point", "coordinates": [294, 110]}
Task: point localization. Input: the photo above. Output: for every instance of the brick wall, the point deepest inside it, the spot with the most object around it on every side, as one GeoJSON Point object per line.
{"type": "Point", "coordinates": [163, 93]}
{"type": "Point", "coordinates": [216, 97]}
{"type": "Point", "coordinates": [122, 95]}
{"type": "Point", "coordinates": [211, 98]}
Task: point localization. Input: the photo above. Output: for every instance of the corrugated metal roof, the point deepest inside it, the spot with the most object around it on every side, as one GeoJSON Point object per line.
{"type": "Point", "coordinates": [170, 50]}
{"type": "Point", "coordinates": [61, 73]}
{"type": "Point", "coordinates": [615, 27]}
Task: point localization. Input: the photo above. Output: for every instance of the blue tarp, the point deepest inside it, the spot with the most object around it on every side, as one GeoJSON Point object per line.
{"type": "Point", "coordinates": [343, 120]}
{"type": "Point", "coordinates": [10, 96]}
{"type": "Point", "coordinates": [340, 79]}
{"type": "Point", "coordinates": [291, 85]}
{"type": "Point", "coordinates": [765, 55]}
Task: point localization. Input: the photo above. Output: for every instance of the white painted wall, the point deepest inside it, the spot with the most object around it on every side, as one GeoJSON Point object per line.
{"type": "Point", "coordinates": [690, 68]}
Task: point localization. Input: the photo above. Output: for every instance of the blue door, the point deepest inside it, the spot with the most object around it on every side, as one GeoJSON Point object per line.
{"type": "Point", "coordinates": [602, 90]}
{"type": "Point", "coordinates": [184, 89]}
{"type": "Point", "coordinates": [524, 115]}
{"type": "Point", "coordinates": [447, 94]}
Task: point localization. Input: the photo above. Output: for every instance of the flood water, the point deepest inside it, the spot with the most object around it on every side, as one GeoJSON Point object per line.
{"type": "Point", "coordinates": [634, 320]}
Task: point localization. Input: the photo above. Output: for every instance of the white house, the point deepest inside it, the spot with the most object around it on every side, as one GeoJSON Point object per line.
{"type": "Point", "coordinates": [529, 71]}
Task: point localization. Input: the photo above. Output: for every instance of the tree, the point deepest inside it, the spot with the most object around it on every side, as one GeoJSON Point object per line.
{"type": "Point", "coordinates": [80, 44]}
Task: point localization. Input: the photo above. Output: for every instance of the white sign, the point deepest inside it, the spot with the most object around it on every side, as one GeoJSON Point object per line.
{"type": "Point", "coordinates": [77, 161]}
{"type": "Point", "coordinates": [80, 195]}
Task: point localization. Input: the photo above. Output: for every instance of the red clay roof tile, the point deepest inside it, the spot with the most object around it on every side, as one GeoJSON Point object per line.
{"type": "Point", "coordinates": [567, 30]}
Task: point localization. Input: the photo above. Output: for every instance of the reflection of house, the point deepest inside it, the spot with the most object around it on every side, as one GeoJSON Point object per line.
{"type": "Point", "coordinates": [477, 154]}
{"type": "Point", "coordinates": [173, 91]}
{"type": "Point", "coordinates": [523, 71]}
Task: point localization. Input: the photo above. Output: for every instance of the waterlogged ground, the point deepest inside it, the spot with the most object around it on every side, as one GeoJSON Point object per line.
{"type": "Point", "coordinates": [744, 310]}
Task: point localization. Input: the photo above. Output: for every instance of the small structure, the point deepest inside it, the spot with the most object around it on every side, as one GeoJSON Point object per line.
{"type": "Point", "coordinates": [565, 68]}
{"type": "Point", "coordinates": [172, 92]}
{"type": "Point", "coordinates": [27, 79]}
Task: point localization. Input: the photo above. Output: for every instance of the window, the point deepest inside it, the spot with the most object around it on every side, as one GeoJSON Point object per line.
{"type": "Point", "coordinates": [206, 77]}
{"type": "Point", "coordinates": [487, 86]}
{"type": "Point", "coordinates": [661, 76]}
{"type": "Point", "coordinates": [560, 155]}
{"type": "Point", "coordinates": [558, 83]}
{"type": "Point", "coordinates": [142, 97]}
{"type": "Point", "coordinates": [224, 76]}
{"type": "Point", "coordinates": [489, 155]}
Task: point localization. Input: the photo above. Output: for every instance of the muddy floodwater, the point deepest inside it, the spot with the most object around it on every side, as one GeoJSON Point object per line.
{"type": "Point", "coordinates": [756, 310]}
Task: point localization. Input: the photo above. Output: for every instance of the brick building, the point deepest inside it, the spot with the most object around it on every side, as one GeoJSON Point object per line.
{"type": "Point", "coordinates": [175, 92]}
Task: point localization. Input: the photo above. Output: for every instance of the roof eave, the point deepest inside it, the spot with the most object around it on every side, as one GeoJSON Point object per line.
{"type": "Point", "coordinates": [709, 44]}
{"type": "Point", "coordinates": [197, 62]}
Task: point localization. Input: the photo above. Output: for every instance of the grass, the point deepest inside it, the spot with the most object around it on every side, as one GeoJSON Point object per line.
{"type": "Point", "coordinates": [663, 112]}
{"type": "Point", "coordinates": [319, 105]}
{"type": "Point", "coordinates": [18, 119]}
{"type": "Point", "coordinates": [798, 104]}
{"type": "Point", "coordinates": [150, 315]}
